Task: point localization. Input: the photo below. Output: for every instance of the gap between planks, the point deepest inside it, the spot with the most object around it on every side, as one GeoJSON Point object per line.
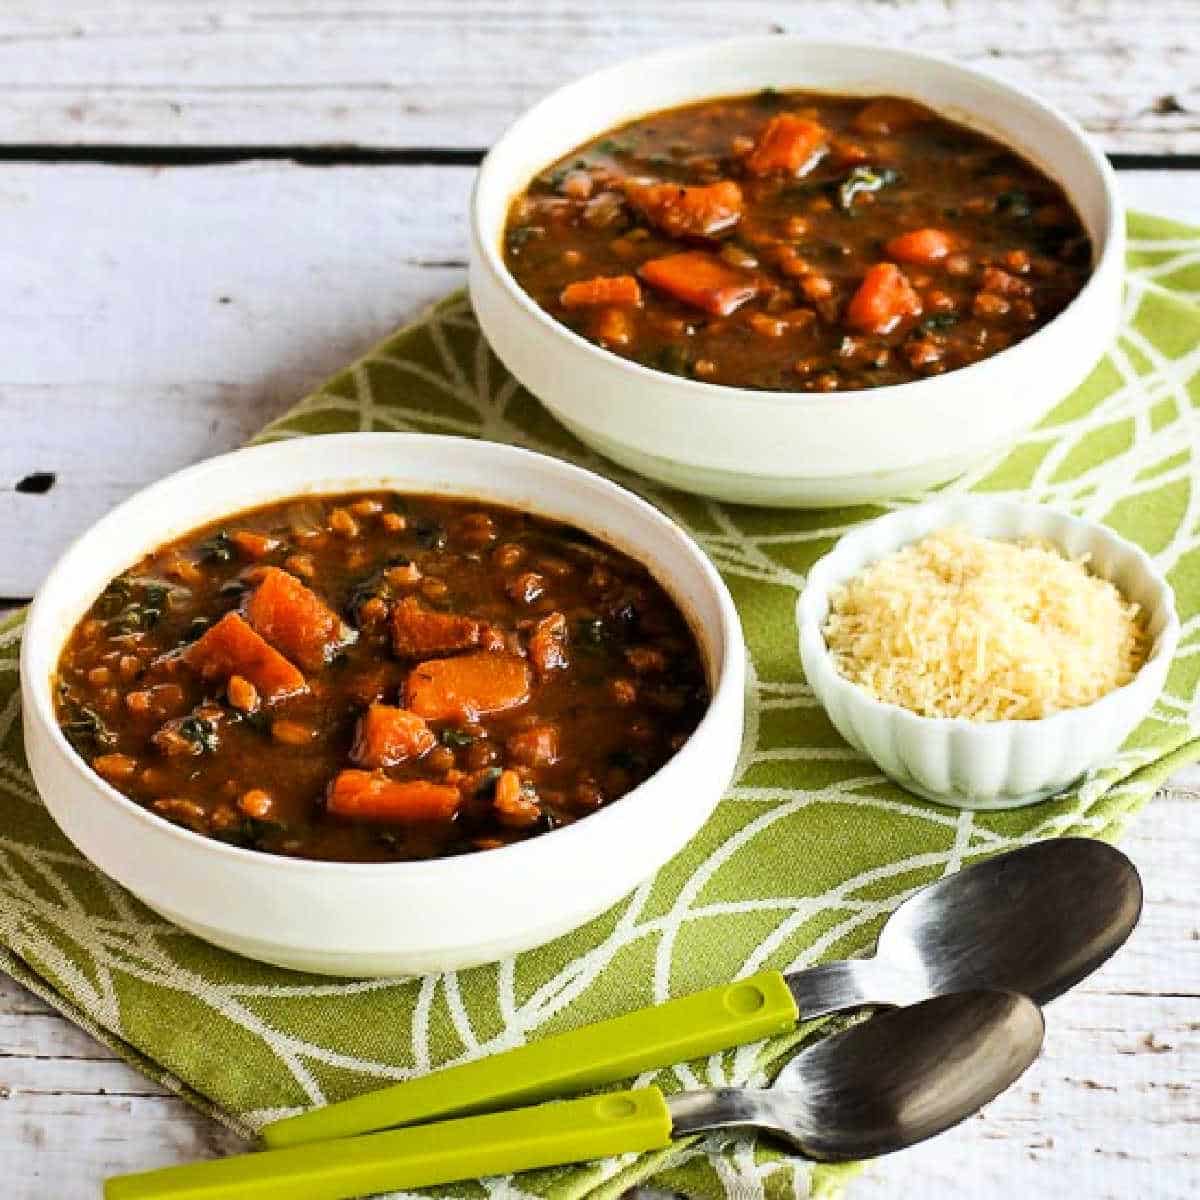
{"type": "Point", "coordinates": [124, 155]}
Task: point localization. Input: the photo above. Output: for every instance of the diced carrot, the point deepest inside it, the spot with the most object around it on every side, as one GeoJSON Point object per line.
{"type": "Point", "coordinates": [923, 246]}
{"type": "Point", "coordinates": [883, 300]}
{"type": "Point", "coordinates": [386, 736]}
{"type": "Point", "coordinates": [295, 619]}
{"type": "Point", "coordinates": [548, 644]}
{"type": "Point", "coordinates": [889, 114]}
{"type": "Point", "coordinates": [371, 797]}
{"type": "Point", "coordinates": [679, 211]}
{"type": "Point", "coordinates": [231, 647]}
{"type": "Point", "coordinates": [254, 545]}
{"type": "Point", "coordinates": [700, 279]}
{"type": "Point", "coordinates": [469, 687]}
{"type": "Point", "coordinates": [788, 143]}
{"type": "Point", "coordinates": [602, 290]}
{"type": "Point", "coordinates": [418, 632]}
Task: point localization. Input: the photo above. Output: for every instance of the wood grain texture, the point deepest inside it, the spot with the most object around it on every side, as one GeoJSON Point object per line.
{"type": "Point", "coordinates": [152, 317]}
{"type": "Point", "coordinates": [456, 72]}
{"type": "Point", "coordinates": [131, 348]}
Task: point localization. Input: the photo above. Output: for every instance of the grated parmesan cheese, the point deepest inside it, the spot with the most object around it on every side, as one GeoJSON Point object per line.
{"type": "Point", "coordinates": [959, 625]}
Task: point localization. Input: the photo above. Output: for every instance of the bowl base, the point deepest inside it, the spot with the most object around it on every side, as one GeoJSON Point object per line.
{"type": "Point", "coordinates": [984, 803]}
{"type": "Point", "coordinates": [779, 491]}
{"type": "Point", "coordinates": [378, 964]}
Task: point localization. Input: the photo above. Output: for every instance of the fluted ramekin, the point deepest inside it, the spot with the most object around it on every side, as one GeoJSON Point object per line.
{"type": "Point", "coordinates": [987, 764]}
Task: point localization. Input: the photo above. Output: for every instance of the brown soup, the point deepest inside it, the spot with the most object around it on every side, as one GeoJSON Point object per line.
{"type": "Point", "coordinates": [379, 677]}
{"type": "Point", "coordinates": [798, 242]}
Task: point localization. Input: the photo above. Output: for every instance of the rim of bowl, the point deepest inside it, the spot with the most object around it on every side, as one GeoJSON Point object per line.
{"type": "Point", "coordinates": [724, 665]}
{"type": "Point", "coordinates": [809, 628]}
{"type": "Point", "coordinates": [1112, 233]}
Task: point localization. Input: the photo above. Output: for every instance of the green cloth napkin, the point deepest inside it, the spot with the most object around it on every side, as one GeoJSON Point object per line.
{"type": "Point", "coordinates": [802, 861]}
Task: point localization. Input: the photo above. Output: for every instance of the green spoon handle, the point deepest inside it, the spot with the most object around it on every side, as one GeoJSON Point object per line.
{"type": "Point", "coordinates": [576, 1061]}
{"type": "Point", "coordinates": [494, 1144]}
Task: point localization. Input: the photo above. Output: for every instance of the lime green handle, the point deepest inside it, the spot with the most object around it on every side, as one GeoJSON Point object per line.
{"type": "Point", "coordinates": [494, 1144]}
{"type": "Point", "coordinates": [577, 1061]}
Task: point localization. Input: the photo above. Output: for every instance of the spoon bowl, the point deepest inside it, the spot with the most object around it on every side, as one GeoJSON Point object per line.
{"type": "Point", "coordinates": [1035, 921]}
{"type": "Point", "coordinates": [887, 1083]}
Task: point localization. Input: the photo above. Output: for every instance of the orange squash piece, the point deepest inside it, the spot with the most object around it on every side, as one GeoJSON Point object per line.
{"type": "Point", "coordinates": [386, 736]}
{"type": "Point", "coordinates": [924, 247]}
{"type": "Point", "coordinates": [603, 290]}
{"type": "Point", "coordinates": [295, 619]}
{"type": "Point", "coordinates": [883, 300]}
{"type": "Point", "coordinates": [700, 279]}
{"type": "Point", "coordinates": [679, 211]}
{"type": "Point", "coordinates": [367, 796]}
{"type": "Point", "coordinates": [788, 143]}
{"type": "Point", "coordinates": [467, 688]}
{"type": "Point", "coordinates": [231, 647]}
{"type": "Point", "coordinates": [418, 632]}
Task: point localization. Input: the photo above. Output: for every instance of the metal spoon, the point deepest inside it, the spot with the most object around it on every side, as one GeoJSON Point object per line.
{"type": "Point", "coordinates": [1036, 921]}
{"type": "Point", "coordinates": [883, 1085]}
{"type": "Point", "coordinates": [886, 1084]}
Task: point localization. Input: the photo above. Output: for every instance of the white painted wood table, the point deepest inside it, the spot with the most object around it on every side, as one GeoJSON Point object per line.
{"type": "Point", "coordinates": [206, 207]}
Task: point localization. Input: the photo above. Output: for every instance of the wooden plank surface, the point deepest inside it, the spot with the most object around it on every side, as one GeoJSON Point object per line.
{"type": "Point", "coordinates": [454, 73]}
{"type": "Point", "coordinates": [159, 342]}
{"type": "Point", "coordinates": [1110, 1111]}
{"type": "Point", "coordinates": [155, 315]}
{"type": "Point", "coordinates": [130, 349]}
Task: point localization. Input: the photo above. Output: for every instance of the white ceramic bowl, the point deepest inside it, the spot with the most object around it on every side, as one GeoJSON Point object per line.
{"type": "Point", "coordinates": [799, 448]}
{"type": "Point", "coordinates": [997, 764]}
{"type": "Point", "coordinates": [389, 918]}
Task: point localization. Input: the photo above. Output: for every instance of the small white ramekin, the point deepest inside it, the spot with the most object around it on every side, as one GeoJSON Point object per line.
{"type": "Point", "coordinates": [805, 449]}
{"type": "Point", "coordinates": [987, 764]}
{"type": "Point", "coordinates": [385, 918]}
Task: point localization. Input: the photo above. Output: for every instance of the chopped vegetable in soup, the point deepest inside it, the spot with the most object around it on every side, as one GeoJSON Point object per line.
{"type": "Point", "coordinates": [378, 677]}
{"type": "Point", "coordinates": [798, 242]}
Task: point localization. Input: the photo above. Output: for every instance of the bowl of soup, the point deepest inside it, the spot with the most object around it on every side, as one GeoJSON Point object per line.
{"type": "Point", "coordinates": [377, 704]}
{"type": "Point", "coordinates": [786, 272]}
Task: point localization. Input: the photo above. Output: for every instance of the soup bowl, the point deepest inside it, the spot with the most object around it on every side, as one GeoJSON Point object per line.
{"type": "Point", "coordinates": [394, 918]}
{"type": "Point", "coordinates": [799, 448]}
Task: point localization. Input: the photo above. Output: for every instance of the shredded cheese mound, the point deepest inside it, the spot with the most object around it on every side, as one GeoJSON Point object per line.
{"type": "Point", "coordinates": [959, 625]}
